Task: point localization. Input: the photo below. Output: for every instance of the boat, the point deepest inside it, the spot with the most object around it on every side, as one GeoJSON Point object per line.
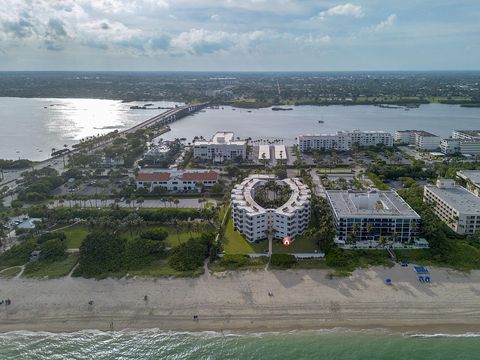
{"type": "Point", "coordinates": [281, 109]}
{"type": "Point", "coordinates": [321, 121]}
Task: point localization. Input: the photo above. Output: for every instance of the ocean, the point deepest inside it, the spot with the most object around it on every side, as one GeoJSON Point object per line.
{"type": "Point", "coordinates": [336, 344]}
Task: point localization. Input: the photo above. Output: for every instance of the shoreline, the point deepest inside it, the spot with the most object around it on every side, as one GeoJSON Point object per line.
{"type": "Point", "coordinates": [238, 302]}
{"type": "Point", "coordinates": [242, 327]}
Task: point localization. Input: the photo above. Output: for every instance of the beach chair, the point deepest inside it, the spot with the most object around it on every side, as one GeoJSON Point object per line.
{"type": "Point", "coordinates": [427, 279]}
{"type": "Point", "coordinates": [388, 281]}
{"type": "Point", "coordinates": [421, 279]}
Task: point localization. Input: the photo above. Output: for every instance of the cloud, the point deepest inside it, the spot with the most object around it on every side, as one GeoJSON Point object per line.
{"type": "Point", "coordinates": [389, 21]}
{"type": "Point", "coordinates": [55, 35]}
{"type": "Point", "coordinates": [200, 41]}
{"type": "Point", "coordinates": [57, 27]}
{"type": "Point", "coordinates": [53, 45]}
{"type": "Point", "coordinates": [161, 42]}
{"type": "Point", "coordinates": [347, 9]}
{"type": "Point", "coordinates": [21, 28]}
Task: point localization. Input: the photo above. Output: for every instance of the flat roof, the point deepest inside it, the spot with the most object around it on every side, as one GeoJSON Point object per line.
{"type": "Point", "coordinates": [474, 133]}
{"type": "Point", "coordinates": [280, 152]}
{"type": "Point", "coordinates": [348, 133]}
{"type": "Point", "coordinates": [419, 132]}
{"type": "Point", "coordinates": [425, 133]}
{"type": "Point", "coordinates": [472, 175]}
{"type": "Point", "coordinates": [264, 149]}
{"type": "Point", "coordinates": [375, 204]}
{"type": "Point", "coordinates": [458, 197]}
{"type": "Point", "coordinates": [220, 138]}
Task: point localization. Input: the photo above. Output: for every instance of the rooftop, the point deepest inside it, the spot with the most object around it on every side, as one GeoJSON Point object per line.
{"type": "Point", "coordinates": [425, 133]}
{"type": "Point", "coordinates": [280, 152]}
{"type": "Point", "coordinates": [264, 149]}
{"type": "Point", "coordinates": [352, 132]}
{"type": "Point", "coordinates": [347, 203]}
{"type": "Point", "coordinates": [193, 175]}
{"type": "Point", "coordinates": [457, 197]}
{"type": "Point", "coordinates": [419, 132]}
{"type": "Point", "coordinates": [473, 133]}
{"type": "Point", "coordinates": [242, 194]}
{"type": "Point", "coordinates": [221, 137]}
{"type": "Point", "coordinates": [472, 175]}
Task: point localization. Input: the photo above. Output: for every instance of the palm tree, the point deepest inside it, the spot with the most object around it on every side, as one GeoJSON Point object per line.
{"type": "Point", "coordinates": [176, 202]}
{"type": "Point", "coordinates": [140, 201]}
{"type": "Point", "coordinates": [189, 227]}
{"type": "Point", "coordinates": [176, 226]}
{"type": "Point", "coordinates": [382, 241]}
{"type": "Point", "coordinates": [369, 228]}
{"type": "Point", "coordinates": [354, 232]}
{"type": "Point", "coordinates": [133, 222]}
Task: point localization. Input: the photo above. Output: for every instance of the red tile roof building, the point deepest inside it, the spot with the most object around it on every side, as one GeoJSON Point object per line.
{"type": "Point", "coordinates": [176, 181]}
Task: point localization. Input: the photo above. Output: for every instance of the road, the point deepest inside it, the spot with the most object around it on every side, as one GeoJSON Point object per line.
{"type": "Point", "coordinates": [318, 188]}
{"type": "Point", "coordinates": [191, 203]}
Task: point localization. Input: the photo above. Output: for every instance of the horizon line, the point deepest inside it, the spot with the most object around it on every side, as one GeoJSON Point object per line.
{"type": "Point", "coordinates": [242, 71]}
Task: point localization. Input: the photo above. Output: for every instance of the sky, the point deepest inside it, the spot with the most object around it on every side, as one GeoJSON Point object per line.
{"type": "Point", "coordinates": [239, 35]}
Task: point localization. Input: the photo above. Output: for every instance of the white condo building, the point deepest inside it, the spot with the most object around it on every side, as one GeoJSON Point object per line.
{"type": "Point", "coordinates": [343, 140]}
{"type": "Point", "coordinates": [470, 179]}
{"type": "Point", "coordinates": [221, 147]}
{"type": "Point", "coordinates": [460, 146]}
{"type": "Point", "coordinates": [256, 222]}
{"type": "Point", "coordinates": [421, 139]}
{"type": "Point", "coordinates": [466, 134]}
{"type": "Point", "coordinates": [363, 218]}
{"type": "Point", "coordinates": [454, 205]}
{"type": "Point", "coordinates": [464, 142]}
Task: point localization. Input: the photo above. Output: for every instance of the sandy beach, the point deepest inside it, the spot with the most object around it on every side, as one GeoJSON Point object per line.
{"type": "Point", "coordinates": [239, 301]}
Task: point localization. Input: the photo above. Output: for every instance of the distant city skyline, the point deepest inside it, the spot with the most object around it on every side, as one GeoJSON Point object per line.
{"type": "Point", "coordinates": [239, 35]}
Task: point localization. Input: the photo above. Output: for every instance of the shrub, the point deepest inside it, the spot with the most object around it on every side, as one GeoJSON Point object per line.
{"type": "Point", "coordinates": [338, 258]}
{"type": "Point", "coordinates": [51, 235]}
{"type": "Point", "coordinates": [141, 251]}
{"type": "Point", "coordinates": [158, 234]}
{"type": "Point", "coordinates": [17, 254]}
{"type": "Point", "coordinates": [101, 252]}
{"type": "Point", "coordinates": [52, 250]}
{"type": "Point", "coordinates": [190, 255]}
{"type": "Point", "coordinates": [282, 260]}
{"type": "Point", "coordinates": [234, 261]}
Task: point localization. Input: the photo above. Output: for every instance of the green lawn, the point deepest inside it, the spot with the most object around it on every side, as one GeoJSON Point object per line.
{"type": "Point", "coordinates": [301, 244]}
{"type": "Point", "coordinates": [235, 243]}
{"type": "Point", "coordinates": [11, 272]}
{"type": "Point", "coordinates": [75, 235]}
{"type": "Point", "coordinates": [160, 268]}
{"type": "Point", "coordinates": [40, 269]}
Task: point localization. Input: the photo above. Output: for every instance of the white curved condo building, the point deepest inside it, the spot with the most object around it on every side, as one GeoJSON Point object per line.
{"type": "Point", "coordinates": [255, 222]}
